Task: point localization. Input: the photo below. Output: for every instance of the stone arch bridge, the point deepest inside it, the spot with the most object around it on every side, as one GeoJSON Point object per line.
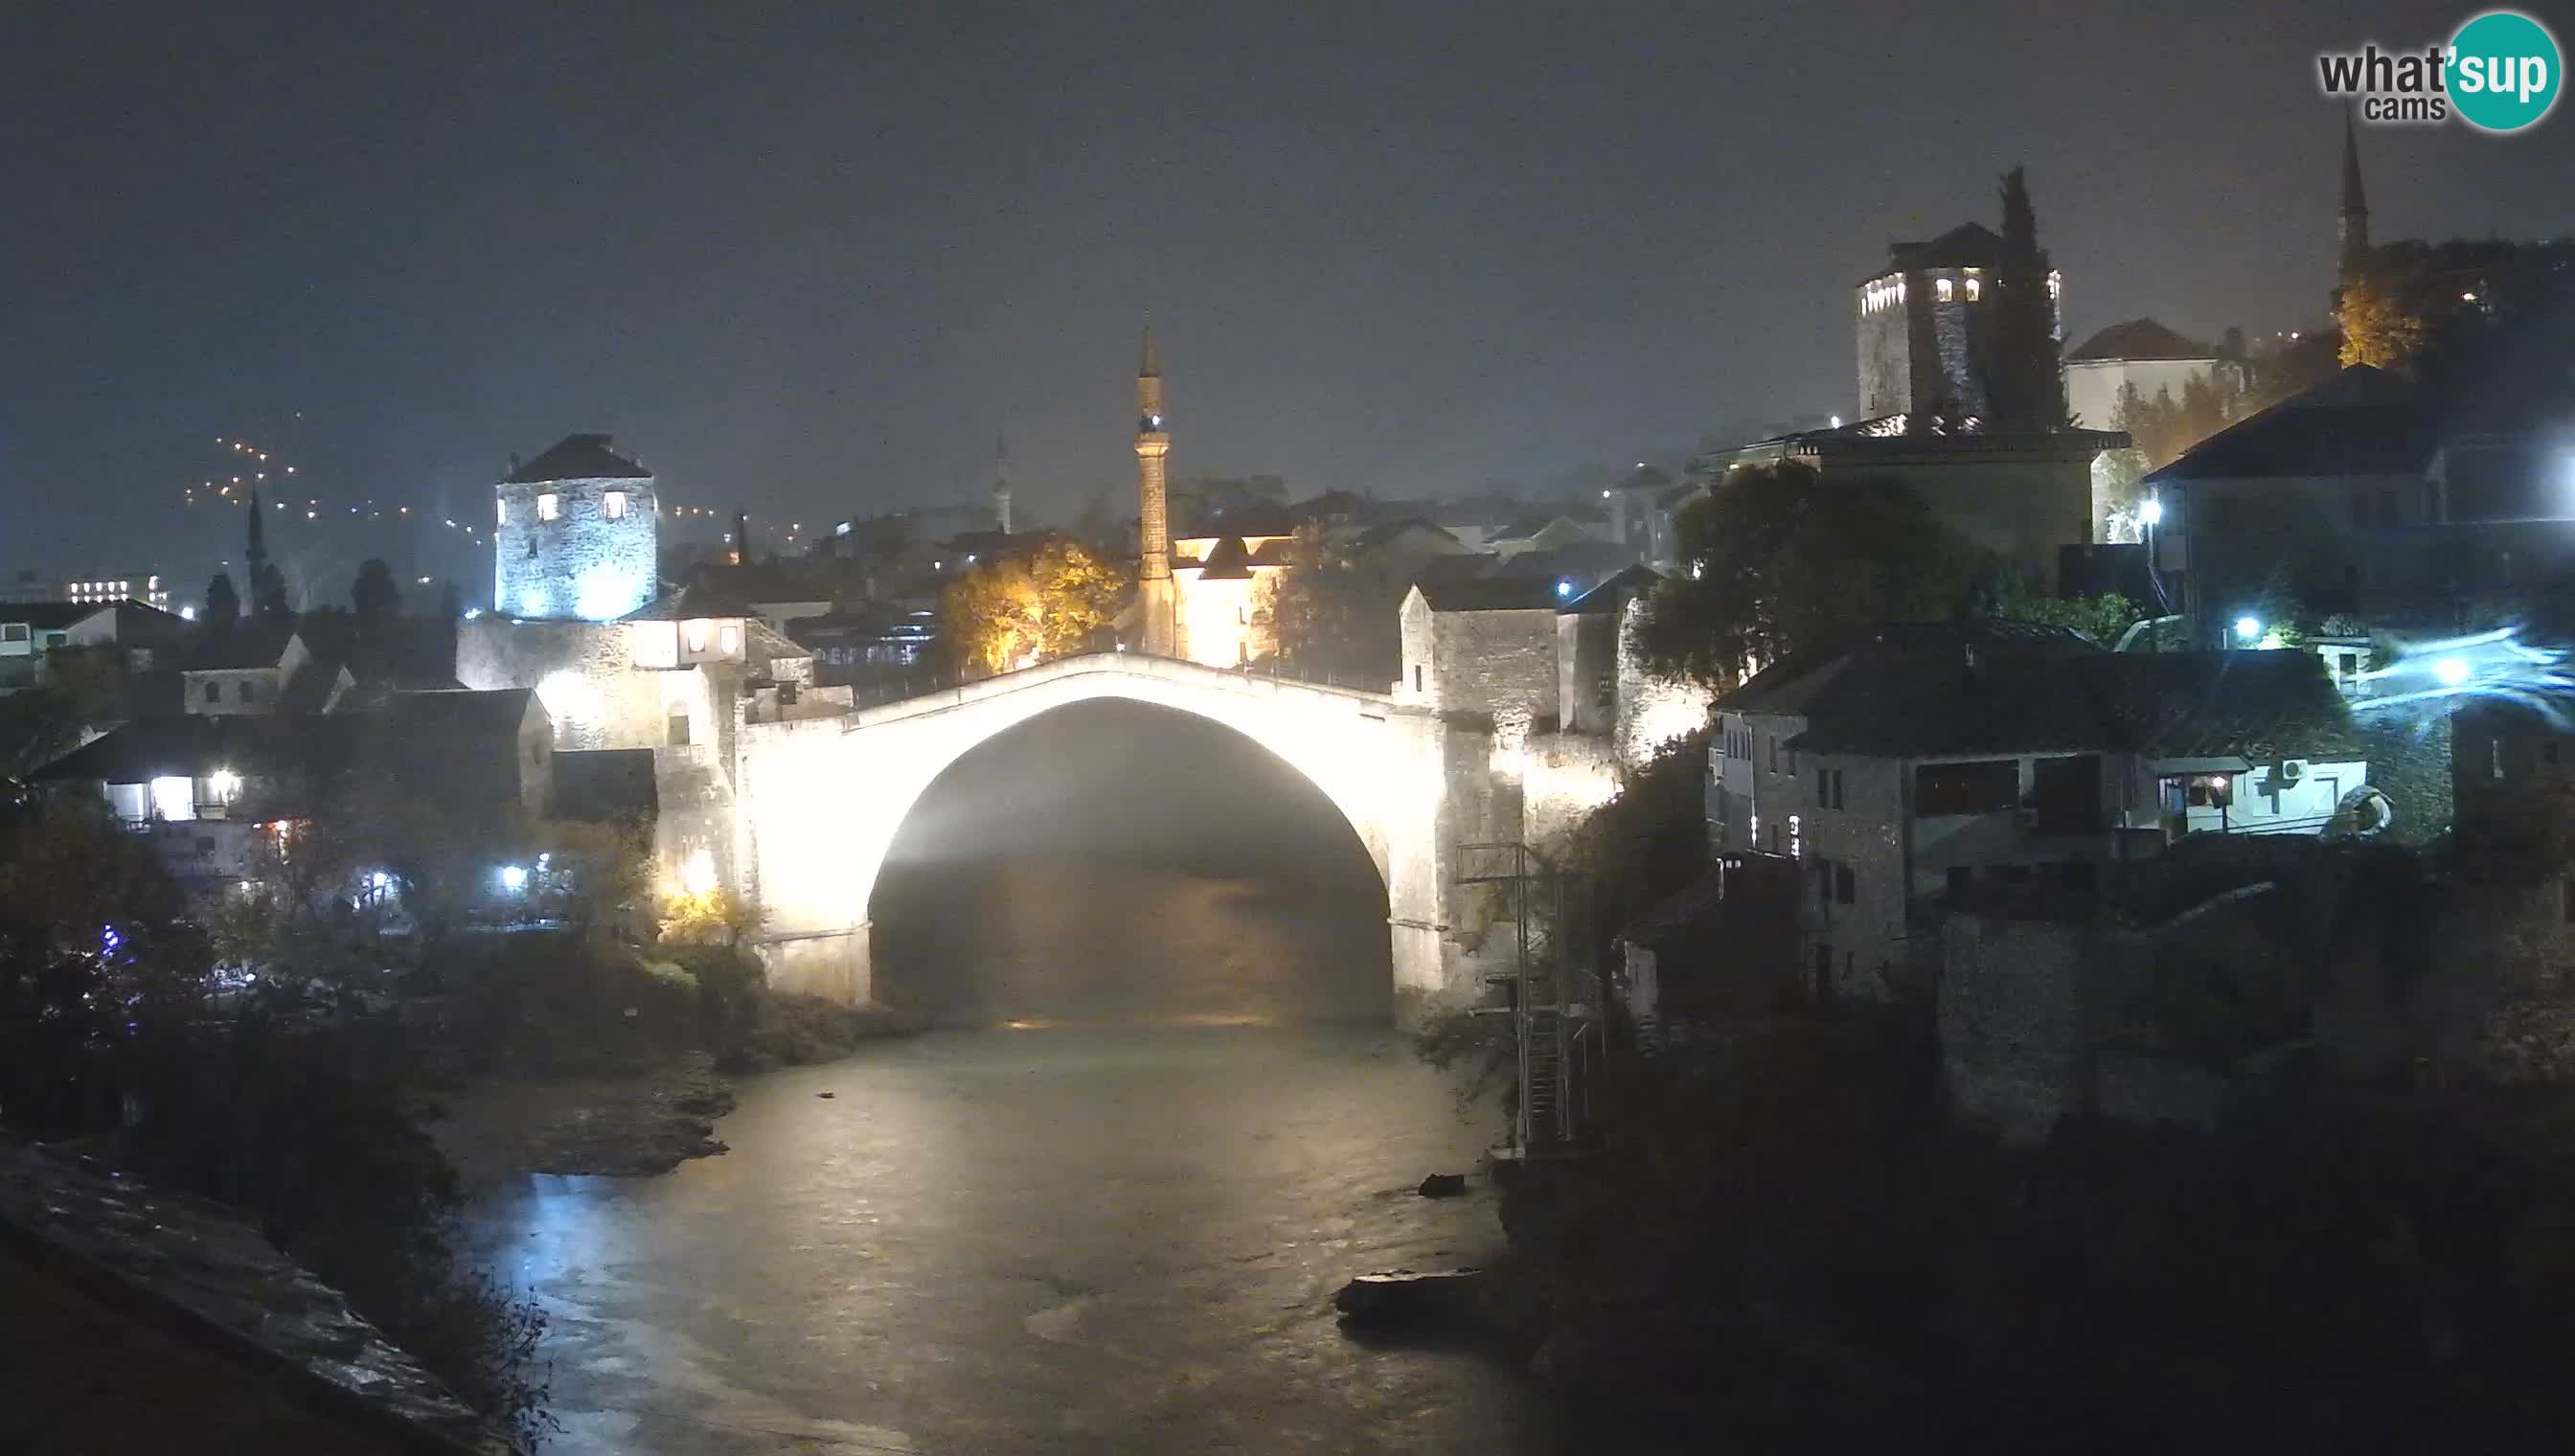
{"type": "Point", "coordinates": [818, 802]}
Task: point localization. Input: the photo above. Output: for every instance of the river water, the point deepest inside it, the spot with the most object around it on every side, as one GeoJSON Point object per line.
{"type": "Point", "coordinates": [1105, 1209]}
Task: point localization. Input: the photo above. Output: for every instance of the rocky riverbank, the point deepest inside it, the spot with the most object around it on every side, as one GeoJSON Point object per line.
{"type": "Point", "coordinates": [630, 1122]}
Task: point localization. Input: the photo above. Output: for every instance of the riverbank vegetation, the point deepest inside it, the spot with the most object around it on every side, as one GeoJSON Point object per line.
{"type": "Point", "coordinates": [1782, 1227]}
{"type": "Point", "coordinates": [281, 1043]}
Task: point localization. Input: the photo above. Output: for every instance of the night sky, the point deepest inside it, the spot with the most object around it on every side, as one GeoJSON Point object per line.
{"type": "Point", "coordinates": [809, 259]}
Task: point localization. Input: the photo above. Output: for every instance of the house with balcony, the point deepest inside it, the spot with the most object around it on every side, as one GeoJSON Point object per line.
{"type": "Point", "coordinates": [1902, 771]}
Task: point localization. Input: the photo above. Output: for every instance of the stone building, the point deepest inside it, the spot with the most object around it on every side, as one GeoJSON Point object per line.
{"type": "Point", "coordinates": [575, 535]}
{"type": "Point", "coordinates": [2139, 355]}
{"type": "Point", "coordinates": [1920, 762]}
{"type": "Point", "coordinates": [1927, 325]}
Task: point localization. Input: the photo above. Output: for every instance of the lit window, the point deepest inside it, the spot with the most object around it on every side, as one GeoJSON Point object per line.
{"type": "Point", "coordinates": [503, 518]}
{"type": "Point", "coordinates": [612, 504]}
{"type": "Point", "coordinates": [729, 639]}
{"type": "Point", "coordinates": [697, 635]}
{"type": "Point", "coordinates": [549, 507]}
{"type": "Point", "coordinates": [1945, 288]}
{"type": "Point", "coordinates": [1975, 289]}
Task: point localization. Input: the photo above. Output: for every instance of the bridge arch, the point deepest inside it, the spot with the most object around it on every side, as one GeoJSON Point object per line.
{"type": "Point", "coordinates": [819, 802]}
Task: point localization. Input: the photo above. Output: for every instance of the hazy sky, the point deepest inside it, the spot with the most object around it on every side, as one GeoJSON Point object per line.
{"type": "Point", "coordinates": [810, 257]}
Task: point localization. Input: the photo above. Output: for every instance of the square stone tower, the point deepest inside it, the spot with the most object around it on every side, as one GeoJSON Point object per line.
{"type": "Point", "coordinates": [1927, 325]}
{"type": "Point", "coordinates": [575, 536]}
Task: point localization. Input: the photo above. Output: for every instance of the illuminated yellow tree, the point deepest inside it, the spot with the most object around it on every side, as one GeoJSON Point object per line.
{"type": "Point", "coordinates": [2379, 328]}
{"type": "Point", "coordinates": [1016, 612]}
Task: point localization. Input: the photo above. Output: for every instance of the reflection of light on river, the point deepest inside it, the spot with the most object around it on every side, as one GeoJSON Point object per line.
{"type": "Point", "coordinates": [1087, 1239]}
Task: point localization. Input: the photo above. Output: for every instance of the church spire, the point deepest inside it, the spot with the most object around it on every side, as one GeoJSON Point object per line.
{"type": "Point", "coordinates": [2351, 227]}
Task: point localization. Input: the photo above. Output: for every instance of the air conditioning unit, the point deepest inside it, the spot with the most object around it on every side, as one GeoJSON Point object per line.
{"type": "Point", "coordinates": [2290, 771]}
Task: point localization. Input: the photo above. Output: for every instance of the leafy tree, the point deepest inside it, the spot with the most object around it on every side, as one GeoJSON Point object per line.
{"type": "Point", "coordinates": [2380, 327]}
{"type": "Point", "coordinates": [374, 599]}
{"type": "Point", "coordinates": [1016, 611]}
{"type": "Point", "coordinates": [2025, 390]}
{"type": "Point", "coordinates": [1777, 560]}
{"type": "Point", "coordinates": [1330, 618]}
{"type": "Point", "coordinates": [223, 603]}
{"type": "Point", "coordinates": [713, 916]}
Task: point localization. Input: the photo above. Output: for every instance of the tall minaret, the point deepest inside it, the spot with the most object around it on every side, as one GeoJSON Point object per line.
{"type": "Point", "coordinates": [1156, 598]}
{"type": "Point", "coordinates": [1000, 483]}
{"type": "Point", "coordinates": [2351, 228]}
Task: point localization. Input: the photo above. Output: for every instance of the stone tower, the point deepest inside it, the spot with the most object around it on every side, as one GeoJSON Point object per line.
{"type": "Point", "coordinates": [1156, 598]}
{"type": "Point", "coordinates": [1001, 484]}
{"type": "Point", "coordinates": [576, 535]}
{"type": "Point", "coordinates": [2352, 226]}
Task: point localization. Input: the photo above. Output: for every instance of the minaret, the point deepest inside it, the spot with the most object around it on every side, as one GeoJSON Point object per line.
{"type": "Point", "coordinates": [1156, 598]}
{"type": "Point", "coordinates": [1000, 483]}
{"type": "Point", "coordinates": [2351, 229]}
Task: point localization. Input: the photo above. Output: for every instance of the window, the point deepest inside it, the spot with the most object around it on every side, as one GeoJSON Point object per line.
{"type": "Point", "coordinates": [2210, 791]}
{"type": "Point", "coordinates": [729, 641]}
{"type": "Point", "coordinates": [1774, 753]}
{"type": "Point", "coordinates": [1416, 677]}
{"type": "Point", "coordinates": [503, 517]}
{"type": "Point", "coordinates": [13, 631]}
{"type": "Point", "coordinates": [612, 504]}
{"type": "Point", "coordinates": [1845, 885]}
{"type": "Point", "coordinates": [1975, 289]}
{"type": "Point", "coordinates": [1945, 289]}
{"type": "Point", "coordinates": [1966, 789]}
{"type": "Point", "coordinates": [1823, 790]}
{"type": "Point", "coordinates": [2350, 664]}
{"type": "Point", "coordinates": [549, 507]}
{"type": "Point", "coordinates": [677, 729]}
{"type": "Point", "coordinates": [249, 692]}
{"type": "Point", "coordinates": [1837, 788]}
{"type": "Point", "coordinates": [696, 633]}
{"type": "Point", "coordinates": [214, 693]}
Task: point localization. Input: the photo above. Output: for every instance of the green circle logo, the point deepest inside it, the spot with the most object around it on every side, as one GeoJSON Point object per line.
{"type": "Point", "coordinates": [2502, 72]}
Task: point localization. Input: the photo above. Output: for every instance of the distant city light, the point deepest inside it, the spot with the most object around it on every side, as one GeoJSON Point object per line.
{"type": "Point", "coordinates": [2151, 512]}
{"type": "Point", "coordinates": [2451, 671]}
{"type": "Point", "coordinates": [2248, 627]}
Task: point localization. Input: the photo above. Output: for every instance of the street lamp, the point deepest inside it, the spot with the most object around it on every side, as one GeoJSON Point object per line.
{"type": "Point", "coordinates": [2151, 512]}
{"type": "Point", "coordinates": [2248, 628]}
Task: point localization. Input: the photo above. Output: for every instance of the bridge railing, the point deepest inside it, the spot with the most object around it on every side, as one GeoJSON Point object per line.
{"type": "Point", "coordinates": [877, 690]}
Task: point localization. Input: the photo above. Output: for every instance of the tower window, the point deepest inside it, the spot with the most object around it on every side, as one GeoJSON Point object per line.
{"type": "Point", "coordinates": [612, 504]}
{"type": "Point", "coordinates": [549, 507]}
{"type": "Point", "coordinates": [502, 518]}
{"type": "Point", "coordinates": [1946, 289]}
{"type": "Point", "coordinates": [1975, 289]}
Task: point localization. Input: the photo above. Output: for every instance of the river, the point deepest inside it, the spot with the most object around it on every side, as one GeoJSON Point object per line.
{"type": "Point", "coordinates": [1106, 1210]}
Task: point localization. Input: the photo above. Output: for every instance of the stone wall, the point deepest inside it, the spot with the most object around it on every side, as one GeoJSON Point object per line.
{"type": "Point", "coordinates": [1652, 712]}
{"type": "Point", "coordinates": [2014, 1029]}
{"type": "Point", "coordinates": [582, 670]}
{"type": "Point", "coordinates": [581, 564]}
{"type": "Point", "coordinates": [1500, 663]}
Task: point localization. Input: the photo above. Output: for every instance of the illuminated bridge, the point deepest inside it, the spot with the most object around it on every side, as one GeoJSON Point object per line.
{"type": "Point", "coordinates": [820, 800]}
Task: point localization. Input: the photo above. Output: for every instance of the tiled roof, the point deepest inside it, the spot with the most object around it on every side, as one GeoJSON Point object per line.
{"type": "Point", "coordinates": [1227, 560]}
{"type": "Point", "coordinates": [689, 602]}
{"type": "Point", "coordinates": [2138, 339]}
{"type": "Point", "coordinates": [50, 615]}
{"type": "Point", "coordinates": [459, 711]}
{"type": "Point", "coordinates": [1377, 536]}
{"type": "Point", "coordinates": [1490, 594]}
{"type": "Point", "coordinates": [1615, 591]}
{"type": "Point", "coordinates": [1968, 245]}
{"type": "Point", "coordinates": [1938, 690]}
{"type": "Point", "coordinates": [2361, 421]}
{"type": "Point", "coordinates": [579, 457]}
{"type": "Point", "coordinates": [248, 642]}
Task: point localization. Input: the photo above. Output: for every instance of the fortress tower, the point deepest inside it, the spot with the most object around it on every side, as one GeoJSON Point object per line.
{"type": "Point", "coordinates": [1156, 597]}
{"type": "Point", "coordinates": [575, 536]}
